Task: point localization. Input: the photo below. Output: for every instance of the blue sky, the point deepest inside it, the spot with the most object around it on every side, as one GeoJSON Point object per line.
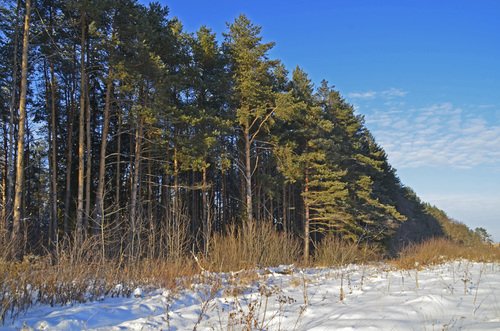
{"type": "Point", "coordinates": [425, 74]}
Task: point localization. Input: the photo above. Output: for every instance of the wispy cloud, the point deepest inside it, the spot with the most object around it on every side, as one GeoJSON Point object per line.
{"type": "Point", "coordinates": [362, 95]}
{"type": "Point", "coordinates": [437, 135]}
{"type": "Point", "coordinates": [386, 94]}
{"type": "Point", "coordinates": [394, 93]}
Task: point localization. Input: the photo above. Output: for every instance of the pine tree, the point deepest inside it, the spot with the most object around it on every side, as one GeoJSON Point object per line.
{"type": "Point", "coordinates": [111, 44]}
{"type": "Point", "coordinates": [80, 226]}
{"type": "Point", "coordinates": [208, 119]}
{"type": "Point", "coordinates": [18, 193]}
{"type": "Point", "coordinates": [252, 92]}
{"type": "Point", "coordinates": [306, 149]}
{"type": "Point", "coordinates": [11, 31]}
{"type": "Point", "coordinates": [363, 161]}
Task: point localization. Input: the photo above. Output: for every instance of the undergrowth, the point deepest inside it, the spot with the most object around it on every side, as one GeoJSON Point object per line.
{"type": "Point", "coordinates": [333, 251]}
{"type": "Point", "coordinates": [439, 250]}
{"type": "Point", "coordinates": [80, 273]}
{"type": "Point", "coordinates": [252, 245]}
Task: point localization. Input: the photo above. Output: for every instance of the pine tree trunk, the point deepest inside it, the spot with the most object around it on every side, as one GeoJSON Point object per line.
{"type": "Point", "coordinates": [18, 193]}
{"type": "Point", "coordinates": [149, 177]}
{"type": "Point", "coordinates": [48, 95]}
{"type": "Point", "coordinates": [205, 220]}
{"type": "Point", "coordinates": [225, 199]}
{"type": "Point", "coordinates": [176, 182]}
{"type": "Point", "coordinates": [11, 153]}
{"type": "Point", "coordinates": [285, 210]}
{"type": "Point", "coordinates": [271, 209]}
{"type": "Point", "coordinates": [69, 147]}
{"type": "Point", "coordinates": [165, 182]}
{"type": "Point", "coordinates": [81, 133]}
{"type": "Point", "coordinates": [69, 158]}
{"type": "Point", "coordinates": [149, 216]}
{"type": "Point", "coordinates": [52, 144]}
{"type": "Point", "coordinates": [53, 160]}
{"type": "Point", "coordinates": [306, 220]}
{"type": "Point", "coordinates": [248, 175]}
{"type": "Point", "coordinates": [135, 183]}
{"type": "Point", "coordinates": [176, 206]}
{"type": "Point", "coordinates": [118, 162]}
{"type": "Point", "coordinates": [27, 204]}
{"type": "Point", "coordinates": [88, 172]}
{"type": "Point", "coordinates": [3, 221]}
{"type": "Point", "coordinates": [195, 207]}
{"type": "Point", "coordinates": [258, 199]}
{"type": "Point", "coordinates": [102, 156]}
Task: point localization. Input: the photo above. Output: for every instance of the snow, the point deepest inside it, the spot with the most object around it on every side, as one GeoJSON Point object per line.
{"type": "Point", "coordinates": [451, 296]}
{"type": "Point", "coordinates": [138, 292]}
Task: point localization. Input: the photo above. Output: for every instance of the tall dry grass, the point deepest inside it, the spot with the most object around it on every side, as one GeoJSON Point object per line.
{"type": "Point", "coordinates": [252, 245]}
{"type": "Point", "coordinates": [333, 251]}
{"type": "Point", "coordinates": [80, 273]}
{"type": "Point", "coordinates": [97, 268]}
{"type": "Point", "coordinates": [441, 250]}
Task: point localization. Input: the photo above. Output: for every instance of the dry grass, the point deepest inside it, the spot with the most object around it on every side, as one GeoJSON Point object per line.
{"type": "Point", "coordinates": [440, 250]}
{"type": "Point", "coordinates": [333, 251]}
{"type": "Point", "coordinates": [252, 245]}
{"type": "Point", "coordinates": [79, 275]}
{"type": "Point", "coordinates": [239, 282]}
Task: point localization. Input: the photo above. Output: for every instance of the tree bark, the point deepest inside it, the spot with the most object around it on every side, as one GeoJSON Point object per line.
{"type": "Point", "coordinates": [12, 139]}
{"type": "Point", "coordinates": [149, 179]}
{"type": "Point", "coordinates": [195, 207]}
{"type": "Point", "coordinates": [306, 220]}
{"type": "Point", "coordinates": [81, 133]}
{"type": "Point", "coordinates": [248, 175]}
{"type": "Point", "coordinates": [69, 157]}
{"type": "Point", "coordinates": [53, 160]}
{"type": "Point", "coordinates": [3, 221]}
{"type": "Point", "coordinates": [176, 207]}
{"type": "Point", "coordinates": [205, 216]}
{"type": "Point", "coordinates": [50, 104]}
{"type": "Point", "coordinates": [88, 171]}
{"type": "Point", "coordinates": [135, 182]}
{"type": "Point", "coordinates": [118, 161]}
{"type": "Point", "coordinates": [285, 210]}
{"type": "Point", "coordinates": [225, 199]}
{"type": "Point", "coordinates": [102, 156]}
{"type": "Point", "coordinates": [18, 193]}
{"type": "Point", "coordinates": [165, 182]}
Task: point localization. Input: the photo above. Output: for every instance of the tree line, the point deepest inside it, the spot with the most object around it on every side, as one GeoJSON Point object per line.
{"type": "Point", "coordinates": [117, 123]}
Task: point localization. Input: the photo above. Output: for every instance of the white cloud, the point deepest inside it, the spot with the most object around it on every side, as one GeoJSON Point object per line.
{"type": "Point", "coordinates": [394, 93]}
{"type": "Point", "coordinates": [386, 94]}
{"type": "Point", "coordinates": [437, 135]}
{"type": "Point", "coordinates": [443, 140]}
{"type": "Point", "coordinates": [362, 95]}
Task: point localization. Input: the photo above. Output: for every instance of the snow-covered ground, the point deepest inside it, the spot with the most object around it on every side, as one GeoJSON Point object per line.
{"type": "Point", "coordinates": [452, 296]}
